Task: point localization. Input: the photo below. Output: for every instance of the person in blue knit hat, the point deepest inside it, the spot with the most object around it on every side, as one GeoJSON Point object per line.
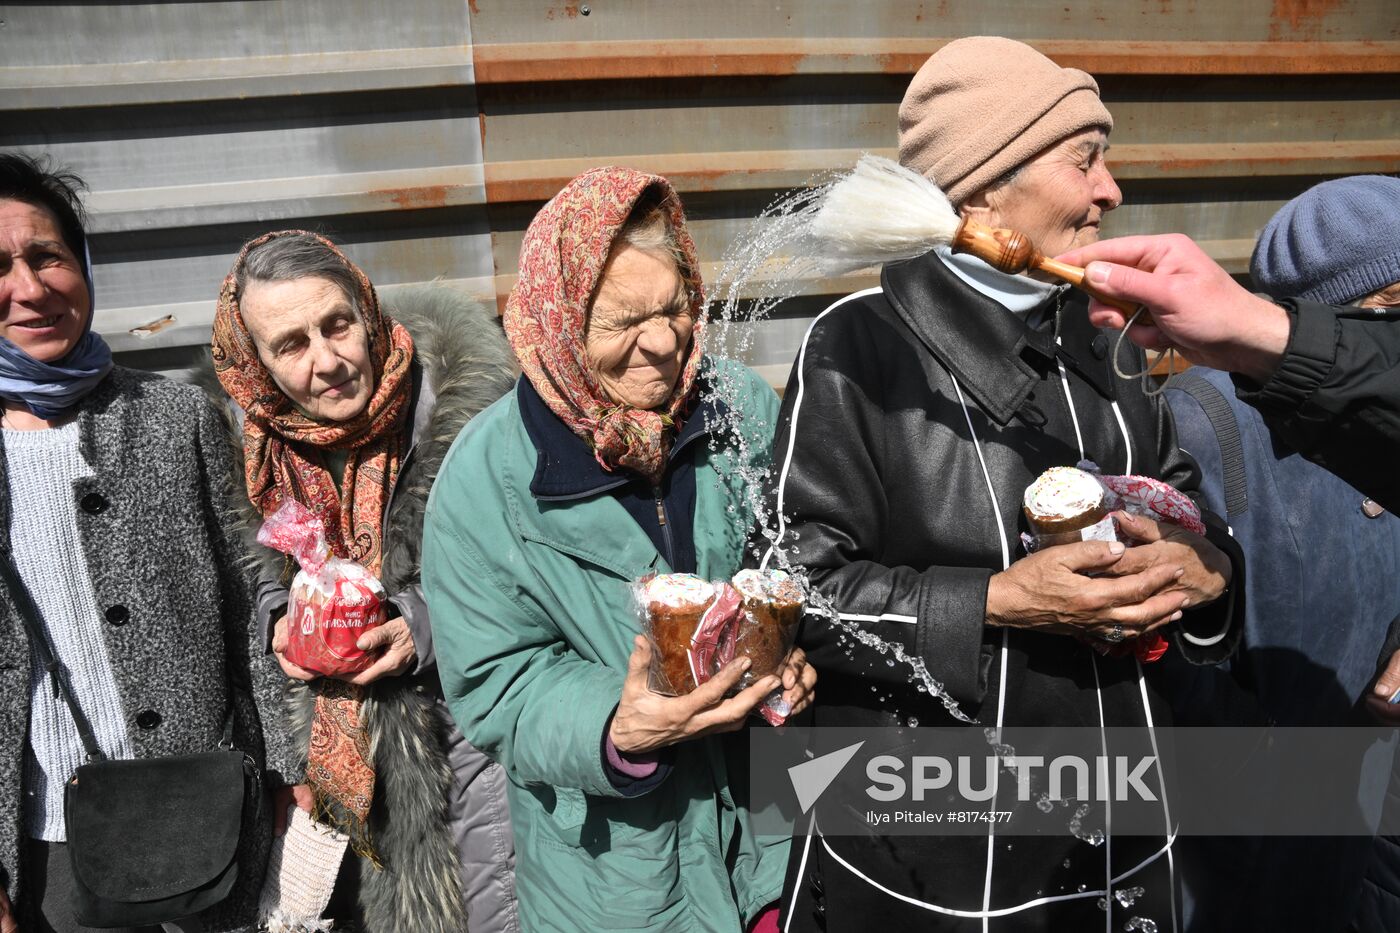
{"type": "Point", "coordinates": [1337, 243]}
{"type": "Point", "coordinates": [1322, 561]}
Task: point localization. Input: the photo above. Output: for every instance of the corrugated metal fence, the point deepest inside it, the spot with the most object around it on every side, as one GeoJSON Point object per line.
{"type": "Point", "coordinates": [424, 135]}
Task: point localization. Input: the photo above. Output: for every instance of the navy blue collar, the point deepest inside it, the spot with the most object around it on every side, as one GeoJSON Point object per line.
{"type": "Point", "coordinates": [565, 467]}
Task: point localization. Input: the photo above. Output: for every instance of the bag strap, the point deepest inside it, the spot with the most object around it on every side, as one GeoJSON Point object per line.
{"type": "Point", "coordinates": [1227, 435]}
{"type": "Point", "coordinates": [29, 615]}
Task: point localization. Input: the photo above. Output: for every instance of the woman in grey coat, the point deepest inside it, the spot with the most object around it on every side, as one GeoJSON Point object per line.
{"type": "Point", "coordinates": [349, 411]}
{"type": "Point", "coordinates": [114, 487]}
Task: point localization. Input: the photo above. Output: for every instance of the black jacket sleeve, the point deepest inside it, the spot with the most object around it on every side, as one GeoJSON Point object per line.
{"type": "Point", "coordinates": [830, 494]}
{"type": "Point", "coordinates": [1335, 396]}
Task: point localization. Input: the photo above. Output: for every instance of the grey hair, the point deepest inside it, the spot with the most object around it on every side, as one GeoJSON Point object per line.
{"type": "Point", "coordinates": [1005, 178]}
{"type": "Point", "coordinates": [299, 256]}
{"type": "Point", "coordinates": [996, 184]}
{"type": "Point", "coordinates": [649, 229]}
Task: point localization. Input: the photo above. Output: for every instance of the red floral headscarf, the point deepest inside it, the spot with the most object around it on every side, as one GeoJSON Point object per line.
{"type": "Point", "coordinates": [561, 262]}
{"type": "Point", "coordinates": [277, 436]}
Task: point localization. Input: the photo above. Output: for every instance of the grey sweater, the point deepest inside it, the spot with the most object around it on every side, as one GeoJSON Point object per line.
{"type": "Point", "coordinates": [170, 575]}
{"type": "Point", "coordinates": [43, 465]}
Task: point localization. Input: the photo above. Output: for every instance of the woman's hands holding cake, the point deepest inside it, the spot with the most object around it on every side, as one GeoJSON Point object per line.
{"type": "Point", "coordinates": [280, 641]}
{"type": "Point", "coordinates": [1206, 570]}
{"type": "Point", "coordinates": [1051, 591]}
{"type": "Point", "coordinates": [646, 720]}
{"type": "Point", "coordinates": [398, 653]}
{"type": "Point", "coordinates": [394, 637]}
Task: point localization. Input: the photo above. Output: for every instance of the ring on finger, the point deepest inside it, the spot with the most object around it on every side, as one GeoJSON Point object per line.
{"type": "Point", "coordinates": [1114, 634]}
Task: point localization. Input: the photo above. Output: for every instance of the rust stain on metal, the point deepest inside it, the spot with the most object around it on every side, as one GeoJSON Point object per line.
{"type": "Point", "coordinates": [660, 59]}
{"type": "Point", "coordinates": [152, 327]}
{"type": "Point", "coordinates": [420, 198]}
{"type": "Point", "coordinates": [471, 5]}
{"type": "Point", "coordinates": [1302, 16]}
{"type": "Point", "coordinates": [541, 179]}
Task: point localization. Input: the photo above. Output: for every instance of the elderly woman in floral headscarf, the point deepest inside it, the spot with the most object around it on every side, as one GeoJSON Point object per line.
{"type": "Point", "coordinates": [605, 464]}
{"type": "Point", "coordinates": [348, 411]}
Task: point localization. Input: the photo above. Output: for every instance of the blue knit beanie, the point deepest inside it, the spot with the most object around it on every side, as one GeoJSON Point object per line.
{"type": "Point", "coordinates": [1334, 243]}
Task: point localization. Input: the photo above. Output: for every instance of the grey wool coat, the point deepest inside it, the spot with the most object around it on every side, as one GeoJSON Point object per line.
{"type": "Point", "coordinates": [440, 821]}
{"type": "Point", "coordinates": [165, 545]}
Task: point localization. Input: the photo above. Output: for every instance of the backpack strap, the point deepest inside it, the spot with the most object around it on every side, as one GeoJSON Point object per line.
{"type": "Point", "coordinates": [1227, 434]}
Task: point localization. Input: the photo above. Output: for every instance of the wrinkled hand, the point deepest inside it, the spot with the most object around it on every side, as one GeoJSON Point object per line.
{"type": "Point", "coordinates": [1385, 712]}
{"type": "Point", "coordinates": [1207, 569]}
{"type": "Point", "coordinates": [646, 720]}
{"type": "Point", "coordinates": [8, 922]}
{"type": "Point", "coordinates": [1048, 591]}
{"type": "Point", "coordinates": [1195, 305]}
{"type": "Point", "coordinates": [279, 648]}
{"type": "Point", "coordinates": [799, 682]}
{"type": "Point", "coordinates": [399, 655]}
{"type": "Point", "coordinates": [284, 797]}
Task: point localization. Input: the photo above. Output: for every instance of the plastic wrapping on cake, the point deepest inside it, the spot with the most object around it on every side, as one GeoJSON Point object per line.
{"type": "Point", "coordinates": [332, 601]}
{"type": "Point", "coordinates": [1135, 495]}
{"type": "Point", "coordinates": [696, 627]}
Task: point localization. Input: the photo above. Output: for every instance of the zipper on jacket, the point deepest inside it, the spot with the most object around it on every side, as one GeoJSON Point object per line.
{"type": "Point", "coordinates": [665, 527]}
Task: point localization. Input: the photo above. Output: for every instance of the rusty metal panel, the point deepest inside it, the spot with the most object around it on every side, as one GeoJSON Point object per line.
{"type": "Point", "coordinates": [201, 124]}
{"type": "Point", "coordinates": [425, 134]}
{"type": "Point", "coordinates": [1223, 111]}
{"type": "Point", "coordinates": [1102, 21]}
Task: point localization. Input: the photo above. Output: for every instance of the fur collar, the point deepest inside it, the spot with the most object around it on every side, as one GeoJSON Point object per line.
{"type": "Point", "coordinates": [462, 363]}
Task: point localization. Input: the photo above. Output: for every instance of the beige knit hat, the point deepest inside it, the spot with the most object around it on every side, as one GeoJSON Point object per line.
{"type": "Point", "coordinates": [981, 106]}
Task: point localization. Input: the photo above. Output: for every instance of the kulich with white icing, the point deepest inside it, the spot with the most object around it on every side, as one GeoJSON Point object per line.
{"type": "Point", "coordinates": [776, 586]}
{"type": "Point", "coordinates": [773, 604]}
{"type": "Point", "coordinates": [679, 590]}
{"type": "Point", "coordinates": [675, 604]}
{"type": "Point", "coordinates": [1064, 500]}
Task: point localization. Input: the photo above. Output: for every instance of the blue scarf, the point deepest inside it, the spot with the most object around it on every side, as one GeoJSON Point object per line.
{"type": "Point", "coordinates": [51, 389]}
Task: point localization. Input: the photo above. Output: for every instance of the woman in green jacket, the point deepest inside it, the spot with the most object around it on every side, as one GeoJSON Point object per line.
{"type": "Point", "coordinates": [606, 464]}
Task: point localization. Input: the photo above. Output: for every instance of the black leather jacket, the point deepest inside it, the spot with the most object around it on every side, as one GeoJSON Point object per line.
{"type": "Point", "coordinates": [1335, 396]}
{"type": "Point", "coordinates": [886, 498]}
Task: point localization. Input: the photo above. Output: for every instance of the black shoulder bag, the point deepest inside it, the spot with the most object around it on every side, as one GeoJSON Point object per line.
{"type": "Point", "coordinates": [151, 839]}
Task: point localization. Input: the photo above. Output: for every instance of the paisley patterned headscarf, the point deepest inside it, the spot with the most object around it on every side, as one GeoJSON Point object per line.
{"type": "Point", "coordinates": [278, 437]}
{"type": "Point", "coordinates": [281, 460]}
{"type": "Point", "coordinates": [561, 262]}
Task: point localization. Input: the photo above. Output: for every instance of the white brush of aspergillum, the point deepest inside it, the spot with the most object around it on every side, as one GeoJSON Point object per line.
{"type": "Point", "coordinates": [877, 213]}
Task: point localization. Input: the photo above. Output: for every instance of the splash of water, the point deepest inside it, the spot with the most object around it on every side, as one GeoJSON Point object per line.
{"type": "Point", "coordinates": [760, 271]}
{"type": "Point", "coordinates": [1140, 925]}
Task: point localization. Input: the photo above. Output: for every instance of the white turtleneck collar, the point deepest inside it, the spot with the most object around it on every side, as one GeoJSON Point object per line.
{"type": "Point", "coordinates": [1016, 293]}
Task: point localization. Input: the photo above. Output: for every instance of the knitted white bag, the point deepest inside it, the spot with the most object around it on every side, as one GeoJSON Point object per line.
{"type": "Point", "coordinates": [301, 873]}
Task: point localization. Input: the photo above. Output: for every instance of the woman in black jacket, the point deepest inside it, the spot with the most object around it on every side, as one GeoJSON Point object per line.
{"type": "Point", "coordinates": [917, 414]}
